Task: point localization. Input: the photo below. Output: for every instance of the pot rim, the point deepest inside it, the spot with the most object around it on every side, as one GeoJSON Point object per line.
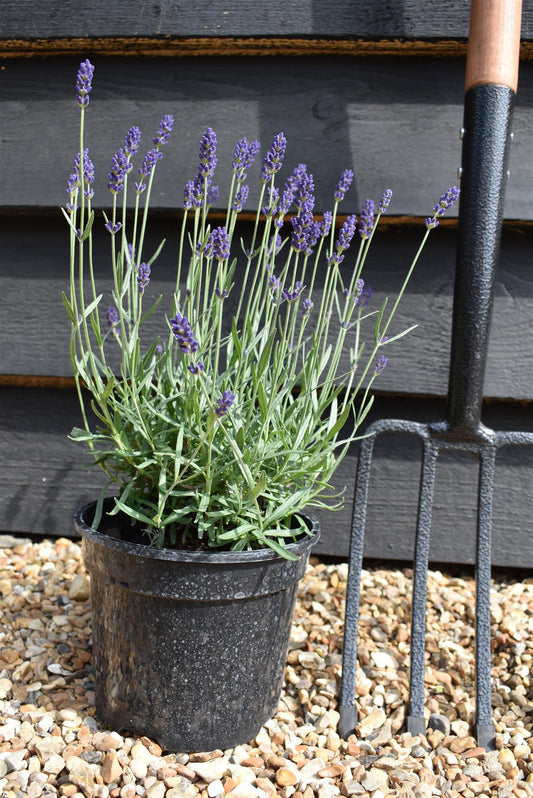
{"type": "Point", "coordinates": [178, 555]}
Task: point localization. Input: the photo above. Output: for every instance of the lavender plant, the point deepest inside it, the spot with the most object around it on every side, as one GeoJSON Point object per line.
{"type": "Point", "coordinates": [226, 425]}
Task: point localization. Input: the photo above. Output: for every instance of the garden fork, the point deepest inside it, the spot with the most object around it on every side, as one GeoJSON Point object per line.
{"type": "Point", "coordinates": [491, 81]}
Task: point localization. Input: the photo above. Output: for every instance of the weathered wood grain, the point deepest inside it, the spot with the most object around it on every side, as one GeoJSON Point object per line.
{"type": "Point", "coordinates": [395, 123]}
{"type": "Point", "coordinates": [409, 19]}
{"type": "Point", "coordinates": [42, 481]}
{"type": "Point", "coordinates": [34, 274]}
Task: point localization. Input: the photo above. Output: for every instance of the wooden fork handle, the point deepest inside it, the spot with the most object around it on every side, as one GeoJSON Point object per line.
{"type": "Point", "coordinates": [494, 43]}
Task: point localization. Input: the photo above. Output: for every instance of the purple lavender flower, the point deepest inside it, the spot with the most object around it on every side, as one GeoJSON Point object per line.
{"type": "Point", "coordinates": [192, 195]}
{"type": "Point", "coordinates": [325, 224]}
{"type": "Point", "coordinates": [359, 287]}
{"type": "Point", "coordinates": [219, 243]}
{"type": "Point", "coordinates": [244, 156]}
{"type": "Point", "coordinates": [120, 167]}
{"type": "Point", "coordinates": [143, 276]}
{"type": "Point", "coordinates": [275, 285]}
{"type": "Point", "coordinates": [302, 232]}
{"type": "Point", "coordinates": [73, 185]}
{"type": "Point", "coordinates": [294, 180]}
{"type": "Point", "coordinates": [367, 219]}
{"type": "Point", "coordinates": [158, 350]}
{"type": "Point", "coordinates": [445, 202]}
{"type": "Point", "coordinates": [307, 307]}
{"type": "Point", "coordinates": [385, 200]}
{"type": "Point", "coordinates": [113, 228]}
{"type": "Point", "coordinates": [132, 141]}
{"type": "Point", "coordinates": [148, 164]}
{"type": "Point", "coordinates": [343, 185]}
{"type": "Point", "coordinates": [207, 155]}
{"type": "Point", "coordinates": [304, 194]}
{"type": "Point", "coordinates": [221, 293]}
{"type": "Point", "coordinates": [274, 158]}
{"type": "Point", "coordinates": [84, 83]}
{"type": "Point", "coordinates": [112, 318]}
{"type": "Point", "coordinates": [366, 296]}
{"type": "Point", "coordinates": [196, 368]}
{"type": "Point", "coordinates": [380, 365]}
{"type": "Point", "coordinates": [183, 333]}
{"type": "Point", "coordinates": [346, 234]}
{"type": "Point", "coordinates": [74, 180]}
{"type": "Point", "coordinates": [224, 403]}
{"type": "Point", "coordinates": [212, 193]}
{"type": "Point", "coordinates": [284, 204]}
{"type": "Point", "coordinates": [88, 167]}
{"type": "Point", "coordinates": [240, 198]}
{"type": "Point", "coordinates": [290, 296]}
{"type": "Point", "coordinates": [272, 201]}
{"type": "Point", "coordinates": [205, 248]}
{"type": "Point", "coordinates": [164, 130]}
{"type": "Point", "coordinates": [312, 236]}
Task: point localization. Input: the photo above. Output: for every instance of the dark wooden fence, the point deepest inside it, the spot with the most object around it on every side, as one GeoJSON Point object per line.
{"type": "Point", "coordinates": [376, 87]}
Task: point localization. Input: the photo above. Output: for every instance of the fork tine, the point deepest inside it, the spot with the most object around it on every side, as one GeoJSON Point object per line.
{"type": "Point", "coordinates": [415, 717]}
{"type": "Point", "coordinates": [347, 710]}
{"type": "Point", "coordinates": [484, 728]}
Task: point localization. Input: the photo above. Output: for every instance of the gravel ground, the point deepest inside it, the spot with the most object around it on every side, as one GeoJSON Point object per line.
{"type": "Point", "coordinates": [50, 743]}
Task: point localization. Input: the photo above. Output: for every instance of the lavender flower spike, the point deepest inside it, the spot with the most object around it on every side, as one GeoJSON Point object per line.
{"type": "Point", "coordinates": [208, 148]}
{"type": "Point", "coordinates": [196, 368]}
{"type": "Point", "coordinates": [119, 169]}
{"type": "Point", "coordinates": [183, 333]}
{"type": "Point", "coordinates": [307, 307]}
{"type": "Point", "coordinates": [240, 198]}
{"type": "Point", "coordinates": [385, 200]}
{"type": "Point", "coordinates": [112, 318]}
{"type": "Point", "coordinates": [143, 276]}
{"type": "Point", "coordinates": [346, 234]}
{"type": "Point", "coordinates": [164, 130]}
{"type": "Point", "coordinates": [132, 141]}
{"type": "Point", "coordinates": [343, 185]}
{"type": "Point", "coordinates": [244, 156]}
{"type": "Point", "coordinates": [224, 403]}
{"type": "Point", "coordinates": [219, 243]}
{"type": "Point", "coordinates": [274, 158]}
{"type": "Point", "coordinates": [446, 201]}
{"type": "Point", "coordinates": [367, 219]}
{"type": "Point", "coordinates": [380, 365]}
{"type": "Point", "coordinates": [84, 83]}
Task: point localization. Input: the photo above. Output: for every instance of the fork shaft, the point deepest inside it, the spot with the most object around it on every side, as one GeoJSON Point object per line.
{"type": "Point", "coordinates": [487, 121]}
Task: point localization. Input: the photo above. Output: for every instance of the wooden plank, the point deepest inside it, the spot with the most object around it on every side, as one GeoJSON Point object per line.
{"type": "Point", "coordinates": [386, 119]}
{"type": "Point", "coordinates": [42, 481]}
{"type": "Point", "coordinates": [409, 19]}
{"type": "Point", "coordinates": [209, 47]}
{"type": "Point", "coordinates": [34, 270]}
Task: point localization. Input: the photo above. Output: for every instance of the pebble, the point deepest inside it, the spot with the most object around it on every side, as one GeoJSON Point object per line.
{"type": "Point", "coordinates": [212, 770]}
{"type": "Point", "coordinates": [373, 721]}
{"type": "Point", "coordinates": [51, 744]}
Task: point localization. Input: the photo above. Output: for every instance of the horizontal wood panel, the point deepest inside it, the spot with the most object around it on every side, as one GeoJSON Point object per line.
{"type": "Point", "coordinates": [34, 271]}
{"type": "Point", "coordinates": [394, 122]}
{"type": "Point", "coordinates": [43, 481]}
{"type": "Point", "coordinates": [335, 113]}
{"type": "Point", "coordinates": [409, 19]}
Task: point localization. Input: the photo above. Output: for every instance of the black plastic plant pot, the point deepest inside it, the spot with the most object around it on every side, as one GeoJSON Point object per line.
{"type": "Point", "coordinates": [189, 647]}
